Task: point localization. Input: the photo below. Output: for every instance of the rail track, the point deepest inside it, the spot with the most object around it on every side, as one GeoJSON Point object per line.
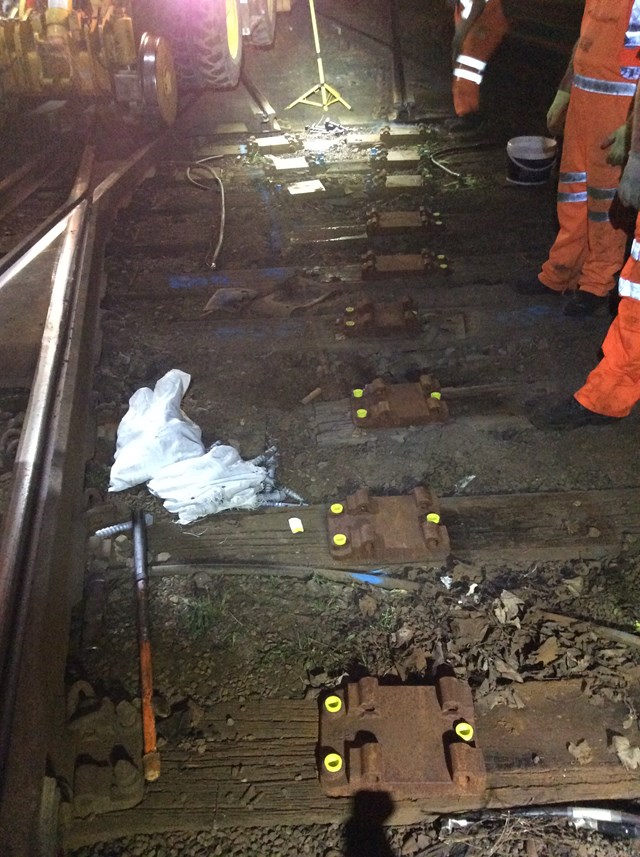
{"type": "Point", "coordinates": [56, 264]}
{"type": "Point", "coordinates": [264, 337]}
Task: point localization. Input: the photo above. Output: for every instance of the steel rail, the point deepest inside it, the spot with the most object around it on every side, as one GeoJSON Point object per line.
{"type": "Point", "coordinates": [38, 579]}
{"type": "Point", "coordinates": [78, 192]}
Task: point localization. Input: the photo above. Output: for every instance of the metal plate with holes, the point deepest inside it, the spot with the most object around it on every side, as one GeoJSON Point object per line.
{"type": "Point", "coordinates": [410, 741]}
{"type": "Point", "coordinates": [389, 529]}
{"type": "Point", "coordinates": [374, 318]}
{"type": "Point", "coordinates": [392, 222]}
{"type": "Point", "coordinates": [375, 265]}
{"type": "Point", "coordinates": [382, 405]}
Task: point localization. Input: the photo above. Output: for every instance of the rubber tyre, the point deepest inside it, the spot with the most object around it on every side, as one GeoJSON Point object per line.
{"type": "Point", "coordinates": [216, 36]}
{"type": "Point", "coordinates": [262, 21]}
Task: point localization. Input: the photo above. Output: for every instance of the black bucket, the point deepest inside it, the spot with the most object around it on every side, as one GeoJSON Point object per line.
{"type": "Point", "coordinates": [530, 160]}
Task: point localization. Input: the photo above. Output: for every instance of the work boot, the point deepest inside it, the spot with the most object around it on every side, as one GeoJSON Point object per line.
{"type": "Point", "coordinates": [566, 414]}
{"type": "Point", "coordinates": [534, 288]}
{"type": "Point", "coordinates": [470, 123]}
{"type": "Point", "coordinates": [582, 304]}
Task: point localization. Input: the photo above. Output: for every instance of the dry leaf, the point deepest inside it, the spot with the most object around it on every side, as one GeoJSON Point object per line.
{"type": "Point", "coordinates": [368, 605]}
{"type": "Point", "coordinates": [507, 607]}
{"type": "Point", "coordinates": [403, 635]}
{"type": "Point", "coordinates": [575, 585]}
{"type": "Point", "coordinates": [629, 756]}
{"type": "Point", "coordinates": [547, 653]}
{"type": "Point", "coordinates": [506, 671]}
{"type": "Point", "coordinates": [581, 751]}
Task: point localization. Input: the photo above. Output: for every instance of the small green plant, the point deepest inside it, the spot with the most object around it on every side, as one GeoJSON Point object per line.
{"type": "Point", "coordinates": [202, 616]}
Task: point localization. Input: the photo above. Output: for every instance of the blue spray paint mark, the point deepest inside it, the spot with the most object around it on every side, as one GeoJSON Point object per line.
{"type": "Point", "coordinates": [191, 281]}
{"type": "Point", "coordinates": [375, 577]}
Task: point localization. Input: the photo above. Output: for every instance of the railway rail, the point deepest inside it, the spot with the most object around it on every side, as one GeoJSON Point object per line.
{"type": "Point", "coordinates": [37, 579]}
{"type": "Point", "coordinates": [264, 337]}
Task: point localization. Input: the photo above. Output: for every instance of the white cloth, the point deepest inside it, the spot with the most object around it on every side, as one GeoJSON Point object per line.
{"type": "Point", "coordinates": [159, 445]}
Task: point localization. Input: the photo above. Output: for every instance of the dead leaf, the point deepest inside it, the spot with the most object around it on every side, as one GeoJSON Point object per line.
{"type": "Point", "coordinates": [368, 605]}
{"type": "Point", "coordinates": [229, 300]}
{"type": "Point", "coordinates": [420, 660]}
{"type": "Point", "coordinates": [581, 751]}
{"type": "Point", "coordinates": [547, 653]}
{"type": "Point", "coordinates": [403, 635]}
{"type": "Point", "coordinates": [575, 585]}
{"type": "Point", "coordinates": [629, 756]}
{"type": "Point", "coordinates": [507, 671]}
{"type": "Point", "coordinates": [507, 608]}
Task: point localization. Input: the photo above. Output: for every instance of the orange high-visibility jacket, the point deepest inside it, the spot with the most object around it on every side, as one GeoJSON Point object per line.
{"type": "Point", "coordinates": [589, 250]}
{"type": "Point", "coordinates": [478, 45]}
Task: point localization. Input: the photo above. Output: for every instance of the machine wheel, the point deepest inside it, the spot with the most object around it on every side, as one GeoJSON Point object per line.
{"type": "Point", "coordinates": [216, 36]}
{"type": "Point", "coordinates": [158, 78]}
{"type": "Point", "coordinates": [262, 22]}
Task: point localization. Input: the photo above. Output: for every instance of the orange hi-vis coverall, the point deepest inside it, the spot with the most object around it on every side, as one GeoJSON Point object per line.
{"type": "Point", "coordinates": [613, 387]}
{"type": "Point", "coordinates": [478, 45]}
{"type": "Point", "coordinates": [588, 251]}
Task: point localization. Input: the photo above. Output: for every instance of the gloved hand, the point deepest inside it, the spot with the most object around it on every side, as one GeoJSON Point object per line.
{"type": "Point", "coordinates": [557, 113]}
{"type": "Point", "coordinates": [618, 144]}
{"type": "Point", "coordinates": [629, 187]}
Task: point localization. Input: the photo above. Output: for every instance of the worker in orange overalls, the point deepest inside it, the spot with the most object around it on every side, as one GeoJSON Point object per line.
{"type": "Point", "coordinates": [480, 26]}
{"type": "Point", "coordinates": [613, 387]}
{"type": "Point", "coordinates": [592, 105]}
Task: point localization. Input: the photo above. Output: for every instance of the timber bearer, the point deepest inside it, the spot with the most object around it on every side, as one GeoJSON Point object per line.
{"type": "Point", "coordinates": [592, 108]}
{"type": "Point", "coordinates": [480, 27]}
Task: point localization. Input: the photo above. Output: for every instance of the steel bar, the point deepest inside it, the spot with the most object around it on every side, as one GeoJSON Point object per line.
{"type": "Point", "coordinates": [151, 757]}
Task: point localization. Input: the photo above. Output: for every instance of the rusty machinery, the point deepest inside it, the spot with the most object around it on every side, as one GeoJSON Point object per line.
{"type": "Point", "coordinates": [139, 53]}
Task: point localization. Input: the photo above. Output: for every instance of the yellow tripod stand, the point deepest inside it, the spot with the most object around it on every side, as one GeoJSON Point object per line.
{"type": "Point", "coordinates": [328, 94]}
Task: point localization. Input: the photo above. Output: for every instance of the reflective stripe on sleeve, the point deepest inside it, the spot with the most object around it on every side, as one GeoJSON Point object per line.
{"type": "Point", "coordinates": [601, 192]}
{"type": "Point", "coordinates": [628, 289]}
{"type": "Point", "coordinates": [581, 196]}
{"type": "Point", "coordinates": [632, 36]}
{"type": "Point", "coordinates": [471, 62]}
{"type": "Point", "coordinates": [571, 178]}
{"type": "Point", "coordinates": [468, 75]}
{"type": "Point", "coordinates": [598, 216]}
{"type": "Point", "coordinates": [635, 250]}
{"type": "Point", "coordinates": [603, 87]}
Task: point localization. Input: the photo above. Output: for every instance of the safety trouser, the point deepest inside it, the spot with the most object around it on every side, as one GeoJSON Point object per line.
{"type": "Point", "coordinates": [484, 36]}
{"type": "Point", "coordinates": [588, 251]}
{"type": "Point", "coordinates": [613, 387]}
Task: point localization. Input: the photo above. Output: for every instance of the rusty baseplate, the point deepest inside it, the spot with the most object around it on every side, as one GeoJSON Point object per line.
{"type": "Point", "coordinates": [403, 136]}
{"type": "Point", "coordinates": [279, 144]}
{"type": "Point", "coordinates": [376, 265]}
{"type": "Point", "coordinates": [381, 158]}
{"type": "Point", "coordinates": [380, 180]}
{"type": "Point", "coordinates": [409, 741]}
{"type": "Point", "coordinates": [382, 405]}
{"type": "Point", "coordinates": [374, 318]}
{"type": "Point", "coordinates": [392, 222]}
{"type": "Point", "coordinates": [405, 528]}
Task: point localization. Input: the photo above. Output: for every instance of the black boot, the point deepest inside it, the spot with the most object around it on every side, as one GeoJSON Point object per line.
{"type": "Point", "coordinates": [582, 304]}
{"type": "Point", "coordinates": [566, 414]}
{"type": "Point", "coordinates": [470, 123]}
{"type": "Point", "coordinates": [533, 287]}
